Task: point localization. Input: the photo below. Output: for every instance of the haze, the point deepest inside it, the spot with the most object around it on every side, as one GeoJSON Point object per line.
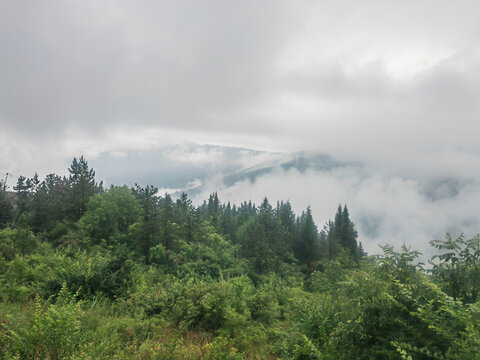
{"type": "Point", "coordinates": [388, 89]}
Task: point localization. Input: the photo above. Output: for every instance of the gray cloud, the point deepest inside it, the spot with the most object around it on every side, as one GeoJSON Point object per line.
{"type": "Point", "coordinates": [269, 66]}
{"type": "Point", "coordinates": [181, 64]}
{"type": "Point", "coordinates": [393, 86]}
{"type": "Point", "coordinates": [386, 208]}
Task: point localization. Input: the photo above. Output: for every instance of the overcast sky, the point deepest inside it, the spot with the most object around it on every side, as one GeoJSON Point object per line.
{"type": "Point", "coordinates": [394, 85]}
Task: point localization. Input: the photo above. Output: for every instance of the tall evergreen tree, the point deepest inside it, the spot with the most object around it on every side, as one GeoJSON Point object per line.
{"type": "Point", "coordinates": [264, 242]}
{"type": "Point", "coordinates": [361, 252]}
{"type": "Point", "coordinates": [213, 208]}
{"type": "Point", "coordinates": [40, 209]}
{"type": "Point", "coordinates": [265, 215]}
{"type": "Point", "coordinates": [254, 245]}
{"type": "Point", "coordinates": [81, 187]}
{"type": "Point", "coordinates": [228, 221]}
{"type": "Point", "coordinates": [167, 222]}
{"type": "Point", "coordinates": [286, 216]}
{"type": "Point", "coordinates": [6, 206]}
{"type": "Point", "coordinates": [23, 189]}
{"type": "Point", "coordinates": [307, 245]}
{"type": "Point", "coordinates": [329, 237]}
{"type": "Point", "coordinates": [349, 234]}
{"type": "Point", "coordinates": [149, 231]}
{"type": "Point", "coordinates": [246, 211]}
{"type": "Point", "coordinates": [185, 218]}
{"type": "Point", "coordinates": [342, 234]}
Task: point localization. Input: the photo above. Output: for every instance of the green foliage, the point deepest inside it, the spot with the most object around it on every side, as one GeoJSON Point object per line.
{"type": "Point", "coordinates": [146, 233]}
{"type": "Point", "coordinates": [24, 188]}
{"type": "Point", "coordinates": [16, 241]}
{"type": "Point", "coordinates": [53, 332]}
{"type": "Point", "coordinates": [307, 246]}
{"type": "Point", "coordinates": [167, 222]}
{"type": "Point", "coordinates": [341, 234]}
{"type": "Point", "coordinates": [400, 265]}
{"type": "Point", "coordinates": [458, 266]}
{"type": "Point", "coordinates": [6, 207]}
{"type": "Point", "coordinates": [89, 273]}
{"type": "Point", "coordinates": [201, 305]}
{"type": "Point", "coordinates": [221, 349]}
{"type": "Point", "coordinates": [156, 278]}
{"type": "Point", "coordinates": [265, 242]}
{"type": "Point", "coordinates": [82, 186]}
{"type": "Point", "coordinates": [110, 215]}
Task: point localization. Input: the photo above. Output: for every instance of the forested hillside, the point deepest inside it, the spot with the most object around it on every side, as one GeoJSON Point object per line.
{"type": "Point", "coordinates": [89, 272]}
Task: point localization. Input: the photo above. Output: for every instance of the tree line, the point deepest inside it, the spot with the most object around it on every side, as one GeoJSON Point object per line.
{"type": "Point", "coordinates": [88, 271]}
{"type": "Point", "coordinates": [268, 235]}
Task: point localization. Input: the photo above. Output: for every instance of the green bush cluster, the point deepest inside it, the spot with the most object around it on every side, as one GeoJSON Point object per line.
{"type": "Point", "coordinates": [118, 273]}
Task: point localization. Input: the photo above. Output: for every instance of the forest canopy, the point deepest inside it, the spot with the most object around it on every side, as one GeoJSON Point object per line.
{"type": "Point", "coordinates": [88, 271]}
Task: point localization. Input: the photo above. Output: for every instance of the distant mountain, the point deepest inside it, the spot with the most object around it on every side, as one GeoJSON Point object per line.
{"type": "Point", "coordinates": [176, 167]}
{"type": "Point", "coordinates": [299, 161]}
{"type": "Point", "coordinates": [189, 167]}
{"type": "Point", "coordinates": [197, 168]}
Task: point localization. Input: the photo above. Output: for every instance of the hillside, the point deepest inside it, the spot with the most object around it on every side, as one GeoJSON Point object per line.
{"type": "Point", "coordinates": [88, 272]}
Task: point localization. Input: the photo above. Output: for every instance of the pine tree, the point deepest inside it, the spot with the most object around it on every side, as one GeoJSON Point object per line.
{"type": "Point", "coordinates": [40, 208]}
{"type": "Point", "coordinates": [255, 246]}
{"type": "Point", "coordinates": [286, 216]}
{"type": "Point", "coordinates": [149, 227]}
{"type": "Point", "coordinates": [342, 234]}
{"type": "Point", "coordinates": [213, 208]}
{"type": "Point", "coordinates": [361, 253]}
{"type": "Point", "coordinates": [228, 223]}
{"type": "Point", "coordinates": [307, 244]}
{"type": "Point", "coordinates": [245, 212]}
{"type": "Point", "coordinates": [6, 206]}
{"type": "Point", "coordinates": [23, 190]}
{"type": "Point", "coordinates": [349, 234]}
{"type": "Point", "coordinates": [265, 215]}
{"type": "Point", "coordinates": [167, 222]}
{"type": "Point", "coordinates": [81, 187]}
{"type": "Point", "coordinates": [185, 218]}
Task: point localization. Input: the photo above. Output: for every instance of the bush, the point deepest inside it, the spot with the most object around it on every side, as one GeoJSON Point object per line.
{"type": "Point", "coordinates": [53, 333]}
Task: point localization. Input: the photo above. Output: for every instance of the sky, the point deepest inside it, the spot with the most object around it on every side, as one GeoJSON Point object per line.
{"type": "Point", "coordinates": [391, 86]}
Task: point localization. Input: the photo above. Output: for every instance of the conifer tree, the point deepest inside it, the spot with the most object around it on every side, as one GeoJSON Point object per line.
{"type": "Point", "coordinates": [81, 187]}
{"type": "Point", "coordinates": [361, 253]}
{"type": "Point", "coordinates": [149, 227]}
{"type": "Point", "coordinates": [265, 215]}
{"type": "Point", "coordinates": [228, 223]}
{"type": "Point", "coordinates": [246, 211]}
{"type": "Point", "coordinates": [6, 206]}
{"type": "Point", "coordinates": [213, 208]}
{"type": "Point", "coordinates": [23, 190]}
{"type": "Point", "coordinates": [254, 245]}
{"type": "Point", "coordinates": [185, 217]}
{"type": "Point", "coordinates": [306, 249]}
{"type": "Point", "coordinates": [286, 216]}
{"type": "Point", "coordinates": [167, 221]}
{"type": "Point", "coordinates": [342, 234]}
{"type": "Point", "coordinates": [349, 234]}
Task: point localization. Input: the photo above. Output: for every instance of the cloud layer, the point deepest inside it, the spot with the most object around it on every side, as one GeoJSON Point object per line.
{"type": "Point", "coordinates": [392, 85]}
{"type": "Point", "coordinates": [385, 208]}
{"type": "Point", "coordinates": [339, 76]}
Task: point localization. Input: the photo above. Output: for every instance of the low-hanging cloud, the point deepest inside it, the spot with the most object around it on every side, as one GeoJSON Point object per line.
{"type": "Point", "coordinates": [394, 86]}
{"type": "Point", "coordinates": [386, 209]}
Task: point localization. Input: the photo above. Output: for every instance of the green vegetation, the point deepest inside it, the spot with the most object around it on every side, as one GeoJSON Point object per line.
{"type": "Point", "coordinates": [94, 273]}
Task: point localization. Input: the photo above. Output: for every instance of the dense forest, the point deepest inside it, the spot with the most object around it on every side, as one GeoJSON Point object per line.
{"type": "Point", "coordinates": [90, 272]}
